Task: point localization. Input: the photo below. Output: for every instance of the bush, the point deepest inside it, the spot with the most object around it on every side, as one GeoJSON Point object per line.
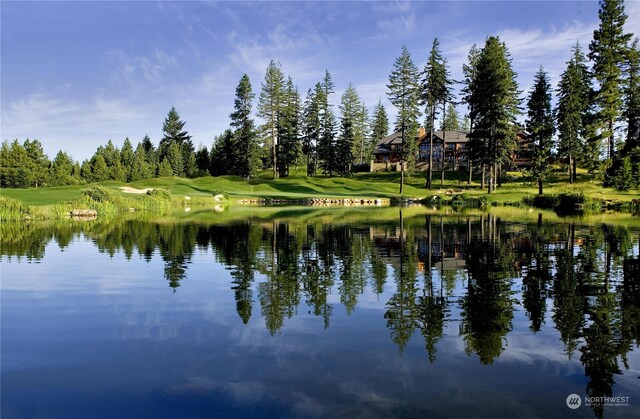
{"type": "Point", "coordinates": [160, 194]}
{"type": "Point", "coordinates": [466, 201]}
{"type": "Point", "coordinates": [544, 201]}
{"type": "Point", "coordinates": [99, 194]}
{"type": "Point", "coordinates": [12, 209]}
{"type": "Point", "coordinates": [360, 168]}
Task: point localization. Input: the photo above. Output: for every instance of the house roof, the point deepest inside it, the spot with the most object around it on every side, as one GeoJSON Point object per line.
{"type": "Point", "coordinates": [395, 138]}
{"type": "Point", "coordinates": [450, 136]}
{"type": "Point", "coordinates": [384, 144]}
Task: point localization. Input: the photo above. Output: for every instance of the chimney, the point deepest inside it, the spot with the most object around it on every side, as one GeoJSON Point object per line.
{"type": "Point", "coordinates": [421, 132]}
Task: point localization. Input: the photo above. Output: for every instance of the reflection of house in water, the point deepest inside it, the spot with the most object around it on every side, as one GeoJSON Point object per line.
{"type": "Point", "coordinates": [444, 252]}
{"type": "Point", "coordinates": [446, 247]}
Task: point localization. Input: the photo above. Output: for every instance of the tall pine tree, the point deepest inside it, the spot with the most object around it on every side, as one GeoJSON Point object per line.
{"type": "Point", "coordinates": [404, 94]}
{"type": "Point", "coordinates": [244, 159]}
{"type": "Point", "coordinates": [174, 133]}
{"type": "Point", "coordinates": [495, 97]}
{"type": "Point", "coordinates": [451, 121]}
{"type": "Point", "coordinates": [540, 126]}
{"type": "Point", "coordinates": [573, 109]}
{"type": "Point", "coordinates": [289, 145]}
{"type": "Point", "coordinates": [436, 90]}
{"type": "Point", "coordinates": [469, 71]}
{"type": "Point", "coordinates": [311, 127]}
{"type": "Point", "coordinates": [607, 51]}
{"type": "Point", "coordinates": [327, 141]}
{"type": "Point", "coordinates": [632, 98]}
{"type": "Point", "coordinates": [269, 105]}
{"type": "Point", "coordinates": [352, 108]}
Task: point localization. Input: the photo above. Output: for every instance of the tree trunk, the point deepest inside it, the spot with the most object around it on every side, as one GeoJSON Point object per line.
{"type": "Point", "coordinates": [274, 141]}
{"type": "Point", "coordinates": [470, 172]}
{"type": "Point", "coordinates": [429, 174]}
{"type": "Point", "coordinates": [444, 143]}
{"type": "Point", "coordinates": [482, 178]}
{"type": "Point", "coordinates": [575, 169]}
{"type": "Point", "coordinates": [402, 160]}
{"type": "Point", "coordinates": [570, 169]}
{"type": "Point", "coordinates": [539, 186]}
{"type": "Point", "coordinates": [611, 139]}
{"type": "Point", "coordinates": [499, 174]}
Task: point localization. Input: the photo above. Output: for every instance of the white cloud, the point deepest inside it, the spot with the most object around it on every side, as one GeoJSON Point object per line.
{"type": "Point", "coordinates": [396, 19]}
{"type": "Point", "coordinates": [632, 8]}
{"type": "Point", "coordinates": [298, 54]}
{"type": "Point", "coordinates": [74, 125]}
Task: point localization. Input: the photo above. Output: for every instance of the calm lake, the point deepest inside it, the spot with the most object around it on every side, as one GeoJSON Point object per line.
{"type": "Point", "coordinates": [320, 313]}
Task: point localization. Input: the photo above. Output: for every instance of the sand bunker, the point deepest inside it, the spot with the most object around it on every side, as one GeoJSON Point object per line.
{"type": "Point", "coordinates": [128, 189]}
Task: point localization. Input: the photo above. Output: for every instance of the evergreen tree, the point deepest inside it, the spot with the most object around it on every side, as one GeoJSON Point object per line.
{"type": "Point", "coordinates": [451, 121]}
{"type": "Point", "coordinates": [244, 159]}
{"type": "Point", "coordinates": [344, 145]}
{"type": "Point", "coordinates": [126, 158]}
{"type": "Point", "coordinates": [404, 94]}
{"type": "Point", "coordinates": [435, 90]}
{"type": "Point", "coordinates": [190, 166]}
{"type": "Point", "coordinates": [311, 127]}
{"type": "Point", "coordinates": [223, 146]}
{"type": "Point", "coordinates": [632, 98]}
{"type": "Point", "coordinates": [151, 155]}
{"type": "Point", "coordinates": [465, 125]}
{"type": "Point", "coordinates": [202, 160]}
{"type": "Point", "coordinates": [353, 108]}
{"type": "Point", "coordinates": [495, 101]}
{"type": "Point", "coordinates": [607, 51]}
{"type": "Point", "coordinates": [85, 171]}
{"type": "Point", "coordinates": [469, 70]}
{"type": "Point", "coordinates": [5, 168]}
{"type": "Point", "coordinates": [99, 169]}
{"type": "Point", "coordinates": [573, 110]}
{"type": "Point", "coordinates": [327, 140]}
{"type": "Point", "coordinates": [62, 170]}
{"type": "Point", "coordinates": [621, 174]}
{"type": "Point", "coordinates": [379, 125]}
{"type": "Point", "coordinates": [13, 163]}
{"type": "Point", "coordinates": [289, 145]}
{"type": "Point", "coordinates": [174, 133]}
{"type": "Point", "coordinates": [37, 164]}
{"type": "Point", "coordinates": [140, 168]}
{"type": "Point", "coordinates": [174, 157]}
{"type": "Point", "coordinates": [164, 169]}
{"type": "Point", "coordinates": [268, 107]}
{"type": "Point", "coordinates": [540, 126]}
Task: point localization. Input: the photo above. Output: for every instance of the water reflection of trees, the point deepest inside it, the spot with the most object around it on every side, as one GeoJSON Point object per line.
{"type": "Point", "coordinates": [586, 278]}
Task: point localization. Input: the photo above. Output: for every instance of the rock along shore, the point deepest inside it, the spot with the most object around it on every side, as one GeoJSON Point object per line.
{"type": "Point", "coordinates": [319, 202]}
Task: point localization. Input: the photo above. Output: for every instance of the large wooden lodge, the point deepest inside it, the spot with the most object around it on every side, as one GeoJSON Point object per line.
{"type": "Point", "coordinates": [388, 150]}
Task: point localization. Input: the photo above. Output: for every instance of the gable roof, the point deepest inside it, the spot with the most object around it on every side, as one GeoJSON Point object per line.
{"type": "Point", "coordinates": [450, 136]}
{"type": "Point", "coordinates": [395, 138]}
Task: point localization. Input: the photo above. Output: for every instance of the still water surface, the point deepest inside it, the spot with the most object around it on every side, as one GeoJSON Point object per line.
{"type": "Point", "coordinates": [410, 315]}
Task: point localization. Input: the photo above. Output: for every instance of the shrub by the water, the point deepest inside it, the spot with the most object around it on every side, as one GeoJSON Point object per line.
{"type": "Point", "coordinates": [564, 203]}
{"type": "Point", "coordinates": [99, 194]}
{"type": "Point", "coordinates": [12, 209]}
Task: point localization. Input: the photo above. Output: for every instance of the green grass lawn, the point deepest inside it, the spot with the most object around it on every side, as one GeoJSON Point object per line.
{"type": "Point", "coordinates": [298, 186]}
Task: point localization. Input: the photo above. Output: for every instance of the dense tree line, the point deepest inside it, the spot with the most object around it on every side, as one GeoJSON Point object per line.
{"type": "Point", "coordinates": [595, 123]}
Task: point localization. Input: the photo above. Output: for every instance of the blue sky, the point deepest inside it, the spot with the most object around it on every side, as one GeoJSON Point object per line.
{"type": "Point", "coordinates": [75, 74]}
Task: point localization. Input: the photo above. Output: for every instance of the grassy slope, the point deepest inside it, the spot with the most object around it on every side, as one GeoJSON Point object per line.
{"type": "Point", "coordinates": [297, 186]}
